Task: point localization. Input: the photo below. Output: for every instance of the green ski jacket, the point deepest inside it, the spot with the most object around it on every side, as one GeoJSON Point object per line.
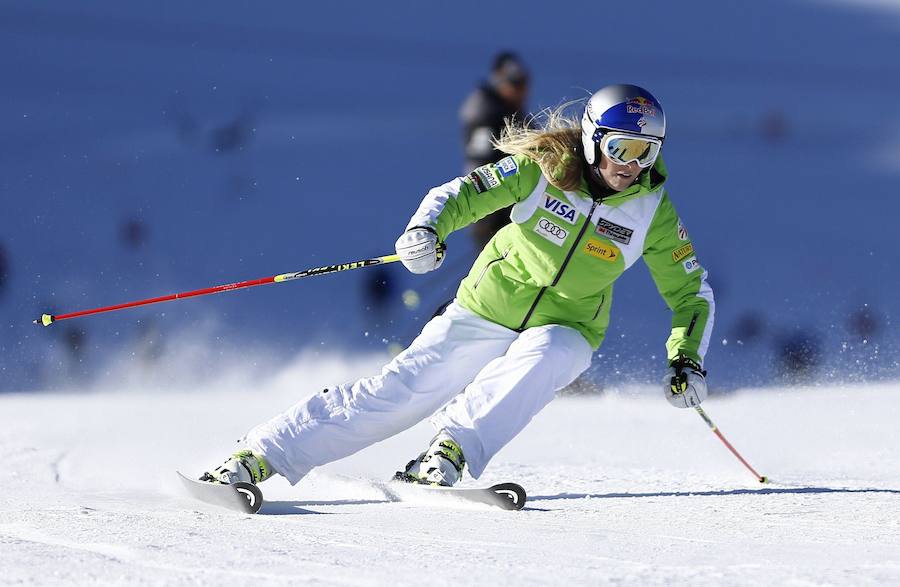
{"type": "Point", "coordinates": [557, 261]}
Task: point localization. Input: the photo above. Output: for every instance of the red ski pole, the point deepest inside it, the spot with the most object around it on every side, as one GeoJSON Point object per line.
{"type": "Point", "coordinates": [714, 428]}
{"type": "Point", "coordinates": [48, 319]}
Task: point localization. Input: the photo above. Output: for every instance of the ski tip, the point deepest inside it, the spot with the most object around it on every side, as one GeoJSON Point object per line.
{"type": "Point", "coordinates": [240, 496]}
{"type": "Point", "coordinates": [513, 494]}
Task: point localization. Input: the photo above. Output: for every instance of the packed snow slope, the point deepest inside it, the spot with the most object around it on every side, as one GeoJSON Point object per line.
{"type": "Point", "coordinates": [150, 148]}
{"type": "Point", "coordinates": [624, 489]}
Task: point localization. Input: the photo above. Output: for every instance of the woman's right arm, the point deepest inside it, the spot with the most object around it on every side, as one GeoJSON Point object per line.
{"type": "Point", "coordinates": [465, 200]}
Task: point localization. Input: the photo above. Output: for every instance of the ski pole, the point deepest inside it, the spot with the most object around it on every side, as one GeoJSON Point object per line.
{"type": "Point", "coordinates": [714, 428]}
{"type": "Point", "coordinates": [48, 319]}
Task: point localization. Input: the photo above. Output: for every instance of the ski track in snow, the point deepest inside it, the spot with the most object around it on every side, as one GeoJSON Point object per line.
{"type": "Point", "coordinates": [623, 489]}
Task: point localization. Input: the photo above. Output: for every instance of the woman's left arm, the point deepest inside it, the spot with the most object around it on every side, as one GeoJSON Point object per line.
{"type": "Point", "coordinates": [681, 281]}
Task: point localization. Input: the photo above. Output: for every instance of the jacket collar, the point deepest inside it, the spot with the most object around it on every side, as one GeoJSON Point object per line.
{"type": "Point", "coordinates": [648, 181]}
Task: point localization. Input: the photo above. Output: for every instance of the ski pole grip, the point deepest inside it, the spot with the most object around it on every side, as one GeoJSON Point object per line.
{"type": "Point", "coordinates": [45, 320]}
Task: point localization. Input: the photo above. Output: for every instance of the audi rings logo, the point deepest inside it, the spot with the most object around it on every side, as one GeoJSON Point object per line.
{"type": "Point", "coordinates": [551, 231]}
{"type": "Point", "coordinates": [554, 229]}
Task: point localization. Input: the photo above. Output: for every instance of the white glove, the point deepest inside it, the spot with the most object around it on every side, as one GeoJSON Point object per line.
{"type": "Point", "coordinates": [685, 384]}
{"type": "Point", "coordinates": [419, 250]}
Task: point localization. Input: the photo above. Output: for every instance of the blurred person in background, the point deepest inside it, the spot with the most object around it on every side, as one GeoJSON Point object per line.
{"type": "Point", "coordinates": [4, 270]}
{"type": "Point", "coordinates": [588, 200]}
{"type": "Point", "coordinates": [502, 97]}
{"type": "Point", "coordinates": [798, 355]}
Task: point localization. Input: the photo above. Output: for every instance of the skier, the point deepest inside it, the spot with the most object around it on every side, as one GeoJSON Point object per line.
{"type": "Point", "coordinates": [533, 308]}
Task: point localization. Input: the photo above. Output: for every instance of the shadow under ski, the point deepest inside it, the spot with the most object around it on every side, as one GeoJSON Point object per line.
{"type": "Point", "coordinates": [713, 493]}
{"type": "Point", "coordinates": [288, 508]}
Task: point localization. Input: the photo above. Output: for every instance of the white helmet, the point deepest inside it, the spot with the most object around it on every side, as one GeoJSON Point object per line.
{"type": "Point", "coordinates": [623, 111]}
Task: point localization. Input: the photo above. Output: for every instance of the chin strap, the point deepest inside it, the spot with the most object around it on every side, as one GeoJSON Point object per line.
{"type": "Point", "coordinates": [602, 190]}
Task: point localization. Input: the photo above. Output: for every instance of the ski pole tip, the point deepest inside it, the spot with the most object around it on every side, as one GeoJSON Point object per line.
{"type": "Point", "coordinates": [44, 320]}
{"type": "Point", "coordinates": [763, 479]}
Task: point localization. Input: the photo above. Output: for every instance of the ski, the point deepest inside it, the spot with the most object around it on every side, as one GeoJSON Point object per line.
{"type": "Point", "coordinates": [241, 497]}
{"type": "Point", "coordinates": [507, 496]}
{"type": "Point", "coordinates": [247, 498]}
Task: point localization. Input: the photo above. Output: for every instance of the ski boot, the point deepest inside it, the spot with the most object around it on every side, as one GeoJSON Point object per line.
{"type": "Point", "coordinates": [442, 464]}
{"type": "Point", "coordinates": [244, 465]}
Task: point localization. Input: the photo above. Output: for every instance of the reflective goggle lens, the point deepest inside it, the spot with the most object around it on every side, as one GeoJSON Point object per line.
{"type": "Point", "coordinates": [624, 149]}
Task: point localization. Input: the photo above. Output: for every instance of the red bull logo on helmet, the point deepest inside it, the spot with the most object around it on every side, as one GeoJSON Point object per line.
{"type": "Point", "coordinates": [640, 105]}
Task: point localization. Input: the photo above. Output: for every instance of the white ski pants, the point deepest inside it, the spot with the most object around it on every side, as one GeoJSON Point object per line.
{"type": "Point", "coordinates": [495, 380]}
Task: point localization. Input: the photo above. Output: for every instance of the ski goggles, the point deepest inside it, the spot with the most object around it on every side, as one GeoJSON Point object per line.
{"type": "Point", "coordinates": [624, 148]}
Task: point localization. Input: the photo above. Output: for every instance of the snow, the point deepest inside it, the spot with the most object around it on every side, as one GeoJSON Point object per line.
{"type": "Point", "coordinates": [623, 489]}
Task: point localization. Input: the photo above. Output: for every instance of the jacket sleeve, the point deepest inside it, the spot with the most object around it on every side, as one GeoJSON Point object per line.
{"type": "Point", "coordinates": [681, 281]}
{"type": "Point", "coordinates": [465, 200]}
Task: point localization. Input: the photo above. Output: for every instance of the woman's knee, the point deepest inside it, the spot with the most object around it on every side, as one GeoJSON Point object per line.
{"type": "Point", "coordinates": [559, 344]}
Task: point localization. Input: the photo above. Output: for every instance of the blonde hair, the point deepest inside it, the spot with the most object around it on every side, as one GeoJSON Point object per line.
{"type": "Point", "coordinates": [552, 139]}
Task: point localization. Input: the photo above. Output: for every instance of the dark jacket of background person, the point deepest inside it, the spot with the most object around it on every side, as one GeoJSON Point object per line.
{"type": "Point", "coordinates": [482, 117]}
{"type": "Point", "coordinates": [483, 114]}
